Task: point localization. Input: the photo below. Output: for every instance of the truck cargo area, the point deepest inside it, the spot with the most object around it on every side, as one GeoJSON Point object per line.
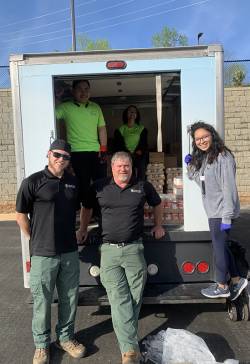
{"type": "Point", "coordinates": [115, 92]}
{"type": "Point", "coordinates": [162, 119]}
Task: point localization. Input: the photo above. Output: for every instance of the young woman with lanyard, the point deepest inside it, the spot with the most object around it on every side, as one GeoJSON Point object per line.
{"type": "Point", "coordinates": [212, 166]}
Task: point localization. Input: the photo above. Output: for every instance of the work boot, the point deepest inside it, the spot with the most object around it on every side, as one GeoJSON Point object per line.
{"type": "Point", "coordinates": [131, 357]}
{"type": "Point", "coordinates": [41, 356]}
{"type": "Point", "coordinates": [73, 348]}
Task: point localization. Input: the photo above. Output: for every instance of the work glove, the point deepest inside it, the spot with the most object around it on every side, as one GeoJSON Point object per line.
{"type": "Point", "coordinates": [188, 159]}
{"type": "Point", "coordinates": [225, 227]}
{"type": "Point", "coordinates": [103, 154]}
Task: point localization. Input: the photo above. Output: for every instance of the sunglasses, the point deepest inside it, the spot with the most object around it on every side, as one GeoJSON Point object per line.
{"type": "Point", "coordinates": [57, 155]}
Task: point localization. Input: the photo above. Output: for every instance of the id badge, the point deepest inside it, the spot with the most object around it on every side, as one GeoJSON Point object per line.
{"type": "Point", "coordinates": [202, 179]}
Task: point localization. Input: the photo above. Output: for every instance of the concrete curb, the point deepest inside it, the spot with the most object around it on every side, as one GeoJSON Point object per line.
{"type": "Point", "coordinates": [8, 217]}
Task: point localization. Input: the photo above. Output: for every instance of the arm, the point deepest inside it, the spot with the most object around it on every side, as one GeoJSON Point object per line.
{"type": "Point", "coordinates": [24, 205]}
{"type": "Point", "coordinates": [85, 217]}
{"type": "Point", "coordinates": [158, 230]}
{"type": "Point", "coordinates": [229, 189]}
{"type": "Point", "coordinates": [142, 146]}
{"type": "Point", "coordinates": [119, 143]}
{"type": "Point", "coordinates": [24, 223]}
{"type": "Point", "coordinates": [102, 134]}
{"type": "Point", "coordinates": [192, 174]}
{"type": "Point", "coordinates": [153, 199]}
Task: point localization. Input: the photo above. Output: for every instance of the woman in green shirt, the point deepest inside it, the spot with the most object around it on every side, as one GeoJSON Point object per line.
{"type": "Point", "coordinates": [132, 137]}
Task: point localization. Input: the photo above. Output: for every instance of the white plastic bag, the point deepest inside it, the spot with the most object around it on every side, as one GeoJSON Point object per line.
{"type": "Point", "coordinates": [177, 346]}
{"type": "Point", "coordinates": [181, 346]}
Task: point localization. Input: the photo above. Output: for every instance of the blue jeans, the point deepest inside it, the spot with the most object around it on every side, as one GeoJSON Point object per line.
{"type": "Point", "coordinates": [224, 260]}
{"type": "Point", "coordinates": [62, 272]}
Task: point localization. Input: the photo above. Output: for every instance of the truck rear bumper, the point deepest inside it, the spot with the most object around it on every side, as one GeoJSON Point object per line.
{"type": "Point", "coordinates": [153, 294]}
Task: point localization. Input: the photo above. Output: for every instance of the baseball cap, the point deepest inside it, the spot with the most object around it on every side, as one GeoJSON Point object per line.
{"type": "Point", "coordinates": [60, 144]}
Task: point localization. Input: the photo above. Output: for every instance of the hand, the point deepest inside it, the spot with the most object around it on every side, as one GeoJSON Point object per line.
{"type": "Point", "coordinates": [225, 227]}
{"type": "Point", "coordinates": [188, 159]}
{"type": "Point", "coordinates": [103, 154]}
{"type": "Point", "coordinates": [158, 232]}
{"type": "Point", "coordinates": [81, 236]}
{"type": "Point", "coordinates": [103, 157]}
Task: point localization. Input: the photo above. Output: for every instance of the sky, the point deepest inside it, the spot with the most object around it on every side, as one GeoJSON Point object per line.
{"type": "Point", "coordinates": [45, 25]}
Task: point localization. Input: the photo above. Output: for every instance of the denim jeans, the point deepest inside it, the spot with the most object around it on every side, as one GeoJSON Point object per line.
{"type": "Point", "coordinates": [224, 259]}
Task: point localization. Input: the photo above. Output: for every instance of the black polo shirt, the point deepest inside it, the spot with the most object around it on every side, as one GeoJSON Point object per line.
{"type": "Point", "coordinates": [51, 203]}
{"type": "Point", "coordinates": [122, 210]}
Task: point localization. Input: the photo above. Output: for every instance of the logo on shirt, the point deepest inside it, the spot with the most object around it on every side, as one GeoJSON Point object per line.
{"type": "Point", "coordinates": [69, 186]}
{"type": "Point", "coordinates": [136, 191]}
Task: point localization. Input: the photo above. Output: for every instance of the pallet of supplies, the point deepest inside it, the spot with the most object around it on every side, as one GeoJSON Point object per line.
{"type": "Point", "coordinates": [156, 176]}
{"type": "Point", "coordinates": [157, 157]}
{"type": "Point", "coordinates": [178, 187]}
{"type": "Point", "coordinates": [172, 211]}
{"type": "Point", "coordinates": [172, 173]}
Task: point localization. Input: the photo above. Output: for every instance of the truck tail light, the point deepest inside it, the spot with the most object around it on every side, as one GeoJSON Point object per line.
{"type": "Point", "coordinates": [116, 65]}
{"type": "Point", "coordinates": [202, 267]}
{"type": "Point", "coordinates": [188, 267]}
{"type": "Point", "coordinates": [28, 266]}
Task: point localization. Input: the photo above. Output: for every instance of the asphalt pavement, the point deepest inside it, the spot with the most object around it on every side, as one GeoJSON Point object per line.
{"type": "Point", "coordinates": [225, 339]}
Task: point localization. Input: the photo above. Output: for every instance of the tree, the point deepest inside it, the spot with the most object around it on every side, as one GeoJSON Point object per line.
{"type": "Point", "coordinates": [234, 74]}
{"type": "Point", "coordinates": [86, 44]}
{"type": "Point", "coordinates": [169, 38]}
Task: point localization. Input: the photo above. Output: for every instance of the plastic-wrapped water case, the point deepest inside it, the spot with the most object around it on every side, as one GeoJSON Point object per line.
{"type": "Point", "coordinates": [178, 346]}
{"type": "Point", "coordinates": [182, 346]}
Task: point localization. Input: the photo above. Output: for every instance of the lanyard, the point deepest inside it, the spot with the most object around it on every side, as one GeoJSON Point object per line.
{"type": "Point", "coordinates": [202, 178]}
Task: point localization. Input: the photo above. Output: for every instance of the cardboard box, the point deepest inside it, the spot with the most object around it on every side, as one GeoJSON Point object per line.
{"type": "Point", "coordinates": [156, 157]}
{"type": "Point", "coordinates": [170, 161]}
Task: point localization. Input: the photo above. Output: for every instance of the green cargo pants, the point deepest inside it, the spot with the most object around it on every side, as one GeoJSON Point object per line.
{"type": "Point", "coordinates": [62, 272]}
{"type": "Point", "coordinates": [123, 274]}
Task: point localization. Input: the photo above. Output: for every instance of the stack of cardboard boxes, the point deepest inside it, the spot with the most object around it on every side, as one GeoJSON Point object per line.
{"type": "Point", "coordinates": [155, 171]}
{"type": "Point", "coordinates": [171, 174]}
{"type": "Point", "coordinates": [172, 211]}
{"type": "Point", "coordinates": [171, 183]}
{"type": "Point", "coordinates": [155, 175]}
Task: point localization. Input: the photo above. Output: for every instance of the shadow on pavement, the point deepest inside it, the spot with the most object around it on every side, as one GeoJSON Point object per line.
{"type": "Point", "coordinates": [218, 345]}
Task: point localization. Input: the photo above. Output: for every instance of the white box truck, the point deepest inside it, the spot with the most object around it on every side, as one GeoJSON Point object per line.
{"type": "Point", "coordinates": [172, 87]}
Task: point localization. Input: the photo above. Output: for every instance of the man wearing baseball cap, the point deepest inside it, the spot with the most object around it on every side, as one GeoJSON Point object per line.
{"type": "Point", "coordinates": [46, 211]}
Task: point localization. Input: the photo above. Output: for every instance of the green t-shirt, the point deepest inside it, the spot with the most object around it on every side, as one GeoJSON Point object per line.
{"type": "Point", "coordinates": [82, 125]}
{"type": "Point", "coordinates": [131, 136]}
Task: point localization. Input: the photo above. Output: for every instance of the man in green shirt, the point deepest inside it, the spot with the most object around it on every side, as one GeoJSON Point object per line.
{"type": "Point", "coordinates": [82, 122]}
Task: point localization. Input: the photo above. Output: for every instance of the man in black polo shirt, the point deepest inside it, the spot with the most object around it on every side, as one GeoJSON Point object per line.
{"type": "Point", "coordinates": [123, 267]}
{"type": "Point", "coordinates": [46, 210]}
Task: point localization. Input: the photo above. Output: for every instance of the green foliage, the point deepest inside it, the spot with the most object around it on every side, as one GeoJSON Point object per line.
{"type": "Point", "coordinates": [169, 38]}
{"type": "Point", "coordinates": [235, 74]}
{"type": "Point", "coordinates": [238, 77]}
{"type": "Point", "coordinates": [86, 44]}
